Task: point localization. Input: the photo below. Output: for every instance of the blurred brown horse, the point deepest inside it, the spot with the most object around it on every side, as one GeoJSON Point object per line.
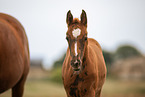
{"type": "Point", "coordinates": [14, 55]}
{"type": "Point", "coordinates": [84, 69]}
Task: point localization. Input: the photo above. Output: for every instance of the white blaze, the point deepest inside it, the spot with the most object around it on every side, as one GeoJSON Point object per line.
{"type": "Point", "coordinates": [76, 33]}
{"type": "Point", "coordinates": [76, 52]}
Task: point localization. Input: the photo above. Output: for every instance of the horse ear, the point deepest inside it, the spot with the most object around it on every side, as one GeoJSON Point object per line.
{"type": "Point", "coordinates": [69, 18]}
{"type": "Point", "coordinates": [84, 18]}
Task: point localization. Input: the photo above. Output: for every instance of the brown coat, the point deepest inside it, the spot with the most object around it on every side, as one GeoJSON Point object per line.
{"type": "Point", "coordinates": [14, 55]}
{"type": "Point", "coordinates": [90, 81]}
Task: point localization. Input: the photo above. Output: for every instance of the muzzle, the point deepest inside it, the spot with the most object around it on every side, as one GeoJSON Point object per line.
{"type": "Point", "coordinates": [76, 64]}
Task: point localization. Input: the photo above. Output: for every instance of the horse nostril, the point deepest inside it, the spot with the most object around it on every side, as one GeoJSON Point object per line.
{"type": "Point", "coordinates": [75, 63]}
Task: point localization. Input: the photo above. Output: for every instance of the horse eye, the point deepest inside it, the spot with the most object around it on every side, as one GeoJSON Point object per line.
{"type": "Point", "coordinates": [86, 38]}
{"type": "Point", "coordinates": [67, 38]}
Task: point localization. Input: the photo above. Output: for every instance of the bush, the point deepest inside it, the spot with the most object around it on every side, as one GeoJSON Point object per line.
{"type": "Point", "coordinates": [108, 57]}
{"type": "Point", "coordinates": [56, 75]}
{"type": "Point", "coordinates": [58, 63]}
{"type": "Point", "coordinates": [126, 51]}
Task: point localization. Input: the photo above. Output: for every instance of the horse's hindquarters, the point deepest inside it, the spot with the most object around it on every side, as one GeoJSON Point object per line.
{"type": "Point", "coordinates": [14, 54]}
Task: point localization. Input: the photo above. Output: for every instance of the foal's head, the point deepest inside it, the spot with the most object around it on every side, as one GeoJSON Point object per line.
{"type": "Point", "coordinates": [77, 39]}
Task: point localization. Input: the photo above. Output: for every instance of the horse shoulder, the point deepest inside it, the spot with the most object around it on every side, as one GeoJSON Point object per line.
{"type": "Point", "coordinates": [97, 60]}
{"type": "Point", "coordinates": [94, 42]}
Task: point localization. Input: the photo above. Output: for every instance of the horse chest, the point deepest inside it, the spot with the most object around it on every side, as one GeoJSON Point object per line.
{"type": "Point", "coordinates": [79, 85]}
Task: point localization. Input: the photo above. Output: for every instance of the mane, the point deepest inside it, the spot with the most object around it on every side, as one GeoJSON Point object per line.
{"type": "Point", "coordinates": [76, 21]}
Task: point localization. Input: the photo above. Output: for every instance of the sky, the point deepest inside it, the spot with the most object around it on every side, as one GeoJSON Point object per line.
{"type": "Point", "coordinates": [111, 22]}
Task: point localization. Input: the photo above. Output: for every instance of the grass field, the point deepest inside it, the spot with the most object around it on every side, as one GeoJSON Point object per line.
{"type": "Point", "coordinates": [39, 85]}
{"type": "Point", "coordinates": [112, 88]}
{"type": "Point", "coordinates": [116, 88]}
{"type": "Point", "coordinates": [40, 88]}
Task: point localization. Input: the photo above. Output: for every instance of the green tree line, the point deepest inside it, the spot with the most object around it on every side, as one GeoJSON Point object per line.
{"type": "Point", "coordinates": [121, 53]}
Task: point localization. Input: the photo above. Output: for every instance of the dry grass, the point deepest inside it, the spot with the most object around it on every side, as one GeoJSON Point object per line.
{"type": "Point", "coordinates": [111, 88]}
{"type": "Point", "coordinates": [38, 85]}
{"type": "Point", "coordinates": [116, 88]}
{"type": "Point", "coordinates": [40, 88]}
